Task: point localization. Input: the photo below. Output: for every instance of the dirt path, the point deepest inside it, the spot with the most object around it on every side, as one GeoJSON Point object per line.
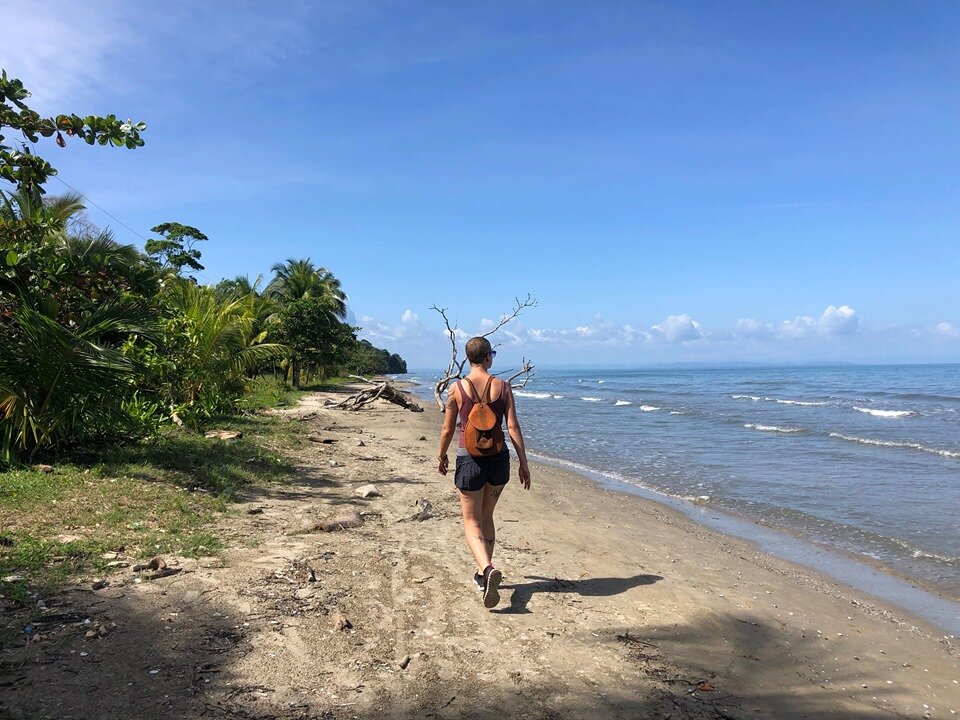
{"type": "Point", "coordinates": [613, 608]}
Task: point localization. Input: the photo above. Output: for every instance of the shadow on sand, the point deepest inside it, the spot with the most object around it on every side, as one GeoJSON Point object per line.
{"type": "Point", "coordinates": [591, 587]}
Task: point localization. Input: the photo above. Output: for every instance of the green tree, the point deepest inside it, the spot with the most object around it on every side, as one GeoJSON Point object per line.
{"type": "Point", "coordinates": [175, 250]}
{"type": "Point", "coordinates": [28, 171]}
{"type": "Point", "coordinates": [316, 338]}
{"type": "Point", "coordinates": [299, 279]}
{"type": "Point", "coordinates": [198, 364]}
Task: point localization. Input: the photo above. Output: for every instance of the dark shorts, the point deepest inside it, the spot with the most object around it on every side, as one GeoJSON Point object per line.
{"type": "Point", "coordinates": [473, 473]}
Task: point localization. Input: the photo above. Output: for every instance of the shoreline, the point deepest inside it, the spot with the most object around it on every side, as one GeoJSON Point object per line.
{"type": "Point", "coordinates": [613, 606]}
{"type": "Point", "coordinates": [923, 600]}
{"type": "Point", "coordinates": [924, 603]}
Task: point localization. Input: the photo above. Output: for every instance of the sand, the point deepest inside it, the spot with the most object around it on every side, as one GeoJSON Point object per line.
{"type": "Point", "coordinates": [613, 607]}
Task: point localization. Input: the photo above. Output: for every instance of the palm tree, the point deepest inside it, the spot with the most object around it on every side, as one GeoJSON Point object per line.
{"type": "Point", "coordinates": [298, 279]}
{"type": "Point", "coordinates": [222, 342]}
{"type": "Point", "coordinates": [54, 212]}
{"type": "Point", "coordinates": [58, 382]}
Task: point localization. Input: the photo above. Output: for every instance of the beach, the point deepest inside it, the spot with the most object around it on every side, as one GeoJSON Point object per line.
{"type": "Point", "coordinates": [613, 606]}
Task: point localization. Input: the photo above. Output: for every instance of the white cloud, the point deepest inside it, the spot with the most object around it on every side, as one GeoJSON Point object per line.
{"type": "Point", "coordinates": [677, 328]}
{"type": "Point", "coordinates": [947, 330]}
{"type": "Point", "coordinates": [750, 328]}
{"type": "Point", "coordinates": [834, 321]}
{"type": "Point", "coordinates": [61, 52]}
{"type": "Point", "coordinates": [831, 334]}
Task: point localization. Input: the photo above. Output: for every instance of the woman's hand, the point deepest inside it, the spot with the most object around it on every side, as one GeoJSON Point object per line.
{"type": "Point", "coordinates": [525, 476]}
{"type": "Point", "coordinates": [444, 463]}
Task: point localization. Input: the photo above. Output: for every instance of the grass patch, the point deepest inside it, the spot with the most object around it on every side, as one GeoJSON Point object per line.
{"type": "Point", "coordinates": [264, 392]}
{"type": "Point", "coordinates": [157, 497]}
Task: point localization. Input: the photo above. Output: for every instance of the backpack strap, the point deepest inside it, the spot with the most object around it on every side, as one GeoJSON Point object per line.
{"type": "Point", "coordinates": [473, 390]}
{"type": "Point", "coordinates": [486, 392]}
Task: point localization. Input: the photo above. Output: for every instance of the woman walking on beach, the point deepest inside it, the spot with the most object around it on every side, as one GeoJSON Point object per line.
{"type": "Point", "coordinates": [481, 478]}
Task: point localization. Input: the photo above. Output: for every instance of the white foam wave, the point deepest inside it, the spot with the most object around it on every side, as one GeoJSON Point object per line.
{"type": "Point", "coordinates": [894, 444]}
{"type": "Point", "coordinates": [755, 398]}
{"type": "Point", "coordinates": [590, 399]}
{"type": "Point", "coordinates": [772, 428]}
{"type": "Point", "coordinates": [601, 382]}
{"type": "Point", "coordinates": [676, 412]}
{"type": "Point", "coordinates": [558, 397]}
{"type": "Point", "coordinates": [649, 408]}
{"type": "Point", "coordinates": [623, 402]}
{"type": "Point", "coordinates": [539, 396]}
{"type": "Point", "coordinates": [885, 413]}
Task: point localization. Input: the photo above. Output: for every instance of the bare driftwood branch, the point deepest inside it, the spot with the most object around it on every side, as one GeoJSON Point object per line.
{"type": "Point", "coordinates": [525, 371]}
{"type": "Point", "coordinates": [519, 307]}
{"type": "Point", "coordinates": [454, 370]}
{"type": "Point", "coordinates": [377, 390]}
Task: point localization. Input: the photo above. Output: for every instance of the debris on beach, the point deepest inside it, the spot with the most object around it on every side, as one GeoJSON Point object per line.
{"type": "Point", "coordinates": [340, 621]}
{"type": "Point", "coordinates": [368, 490]}
{"type": "Point", "coordinates": [341, 522]}
{"type": "Point", "coordinates": [425, 512]}
{"type": "Point", "coordinates": [383, 390]}
{"type": "Point", "coordinates": [156, 563]}
{"type": "Point", "coordinates": [223, 435]}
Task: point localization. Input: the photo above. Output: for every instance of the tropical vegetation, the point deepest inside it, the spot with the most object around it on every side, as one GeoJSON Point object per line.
{"type": "Point", "coordinates": [104, 343]}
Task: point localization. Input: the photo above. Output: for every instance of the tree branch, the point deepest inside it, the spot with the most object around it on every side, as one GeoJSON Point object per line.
{"type": "Point", "coordinates": [454, 370]}
{"type": "Point", "coordinates": [518, 309]}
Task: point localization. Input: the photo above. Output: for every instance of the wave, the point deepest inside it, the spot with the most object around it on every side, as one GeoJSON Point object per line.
{"type": "Point", "coordinates": [538, 395]}
{"type": "Point", "coordinates": [676, 412]}
{"type": "Point", "coordinates": [623, 402]}
{"type": "Point", "coordinates": [649, 408]}
{"type": "Point", "coordinates": [558, 397]}
{"type": "Point", "coordinates": [778, 400]}
{"type": "Point", "coordinates": [895, 444]}
{"type": "Point", "coordinates": [591, 399]}
{"type": "Point", "coordinates": [885, 413]}
{"type": "Point", "coordinates": [772, 428]}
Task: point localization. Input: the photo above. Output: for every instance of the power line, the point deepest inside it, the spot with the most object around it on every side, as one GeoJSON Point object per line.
{"type": "Point", "coordinates": [98, 207]}
{"type": "Point", "coordinates": [105, 212]}
{"type": "Point", "coordinates": [114, 217]}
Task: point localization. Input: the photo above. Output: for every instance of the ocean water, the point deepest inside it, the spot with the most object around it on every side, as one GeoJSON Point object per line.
{"type": "Point", "coordinates": [864, 460]}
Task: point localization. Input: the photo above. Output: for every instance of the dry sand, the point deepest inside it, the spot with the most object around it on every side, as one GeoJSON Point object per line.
{"type": "Point", "coordinates": [613, 607]}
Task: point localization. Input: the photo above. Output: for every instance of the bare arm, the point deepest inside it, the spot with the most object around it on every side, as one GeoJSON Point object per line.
{"type": "Point", "coordinates": [448, 428]}
{"type": "Point", "coordinates": [516, 435]}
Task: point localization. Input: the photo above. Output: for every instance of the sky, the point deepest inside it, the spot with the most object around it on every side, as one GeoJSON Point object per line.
{"type": "Point", "coordinates": [672, 181]}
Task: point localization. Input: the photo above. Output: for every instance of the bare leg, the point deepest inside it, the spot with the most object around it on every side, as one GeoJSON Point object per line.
{"type": "Point", "coordinates": [491, 493]}
{"type": "Point", "coordinates": [471, 505]}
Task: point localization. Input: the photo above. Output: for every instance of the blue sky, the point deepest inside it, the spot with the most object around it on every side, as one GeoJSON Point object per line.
{"type": "Point", "coordinates": [673, 181]}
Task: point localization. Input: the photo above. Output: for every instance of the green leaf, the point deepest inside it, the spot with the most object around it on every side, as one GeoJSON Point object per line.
{"type": "Point", "coordinates": [12, 258]}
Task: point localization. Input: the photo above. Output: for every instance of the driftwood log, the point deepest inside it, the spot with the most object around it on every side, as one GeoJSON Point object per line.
{"type": "Point", "coordinates": [377, 390]}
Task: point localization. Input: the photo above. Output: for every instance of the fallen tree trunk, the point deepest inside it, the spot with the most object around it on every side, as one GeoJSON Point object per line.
{"type": "Point", "coordinates": [377, 390]}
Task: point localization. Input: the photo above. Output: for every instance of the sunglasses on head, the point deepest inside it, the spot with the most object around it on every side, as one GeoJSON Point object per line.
{"type": "Point", "coordinates": [493, 353]}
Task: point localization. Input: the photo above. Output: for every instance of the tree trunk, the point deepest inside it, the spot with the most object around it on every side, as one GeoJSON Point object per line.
{"type": "Point", "coordinates": [295, 364]}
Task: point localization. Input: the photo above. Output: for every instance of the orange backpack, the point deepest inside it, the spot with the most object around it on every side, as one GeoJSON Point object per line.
{"type": "Point", "coordinates": [482, 434]}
